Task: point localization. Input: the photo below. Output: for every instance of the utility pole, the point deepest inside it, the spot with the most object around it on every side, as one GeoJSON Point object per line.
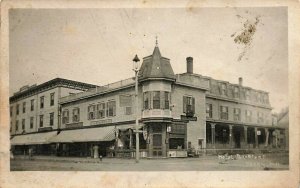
{"type": "Point", "coordinates": [137, 141]}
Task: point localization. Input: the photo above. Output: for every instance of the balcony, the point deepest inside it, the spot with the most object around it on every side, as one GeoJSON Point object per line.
{"type": "Point", "coordinates": [157, 113]}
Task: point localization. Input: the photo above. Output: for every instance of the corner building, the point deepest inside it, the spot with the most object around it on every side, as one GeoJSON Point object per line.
{"type": "Point", "coordinates": [177, 113]}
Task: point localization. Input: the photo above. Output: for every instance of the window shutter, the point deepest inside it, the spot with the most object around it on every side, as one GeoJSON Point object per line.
{"type": "Point", "coordinates": [193, 104]}
{"type": "Point", "coordinates": [184, 104]}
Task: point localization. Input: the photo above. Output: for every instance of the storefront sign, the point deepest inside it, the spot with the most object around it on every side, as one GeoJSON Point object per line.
{"type": "Point", "coordinates": [100, 122]}
{"type": "Point", "coordinates": [185, 118]}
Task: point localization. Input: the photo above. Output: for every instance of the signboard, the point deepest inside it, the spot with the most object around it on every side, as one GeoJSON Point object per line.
{"type": "Point", "coordinates": [185, 118]}
{"type": "Point", "coordinates": [169, 129]}
{"type": "Point", "coordinates": [258, 133]}
{"type": "Point", "coordinates": [100, 122]}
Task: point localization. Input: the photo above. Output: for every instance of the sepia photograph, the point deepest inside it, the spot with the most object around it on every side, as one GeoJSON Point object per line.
{"type": "Point", "coordinates": [131, 89]}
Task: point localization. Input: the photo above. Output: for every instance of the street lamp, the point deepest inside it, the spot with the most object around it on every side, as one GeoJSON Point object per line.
{"type": "Point", "coordinates": [136, 61]}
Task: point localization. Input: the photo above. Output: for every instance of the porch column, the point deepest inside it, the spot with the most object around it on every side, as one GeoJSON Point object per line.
{"type": "Point", "coordinates": [213, 134]}
{"type": "Point", "coordinates": [130, 139]}
{"type": "Point", "coordinates": [230, 136]}
{"type": "Point", "coordinates": [267, 137]}
{"type": "Point", "coordinates": [256, 138]}
{"type": "Point", "coordinates": [246, 135]}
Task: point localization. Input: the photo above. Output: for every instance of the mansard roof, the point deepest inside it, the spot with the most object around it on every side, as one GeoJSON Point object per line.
{"type": "Point", "coordinates": [156, 67]}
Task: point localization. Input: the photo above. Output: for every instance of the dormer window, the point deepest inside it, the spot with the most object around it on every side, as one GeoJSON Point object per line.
{"type": "Point", "coordinates": [247, 94]}
{"type": "Point", "coordinates": [236, 92]}
{"type": "Point", "coordinates": [223, 89]}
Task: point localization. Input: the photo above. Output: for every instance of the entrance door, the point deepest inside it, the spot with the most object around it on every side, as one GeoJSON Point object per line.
{"type": "Point", "coordinates": [157, 145]}
{"type": "Point", "coordinates": [237, 139]}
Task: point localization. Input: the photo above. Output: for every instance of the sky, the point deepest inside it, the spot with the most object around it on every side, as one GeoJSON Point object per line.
{"type": "Point", "coordinates": [97, 45]}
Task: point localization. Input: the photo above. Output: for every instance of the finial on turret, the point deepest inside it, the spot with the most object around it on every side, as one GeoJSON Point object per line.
{"type": "Point", "coordinates": [156, 43]}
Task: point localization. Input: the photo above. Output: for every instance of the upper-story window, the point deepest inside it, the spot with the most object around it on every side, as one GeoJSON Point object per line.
{"type": "Point", "coordinates": [17, 125]}
{"type": "Point", "coordinates": [248, 114]}
{"type": "Point", "coordinates": [76, 115]}
{"type": "Point", "coordinates": [237, 114]}
{"type": "Point", "coordinates": [101, 110]}
{"type": "Point", "coordinates": [167, 100]}
{"type": "Point", "coordinates": [11, 111]}
{"type": "Point", "coordinates": [17, 109]}
{"type": "Point", "coordinates": [41, 120]}
{"type": "Point", "coordinates": [31, 122]}
{"type": "Point", "coordinates": [111, 108]}
{"type": "Point", "coordinates": [126, 103]}
{"type": "Point", "coordinates": [24, 107]}
{"type": "Point", "coordinates": [23, 124]}
{"type": "Point", "coordinates": [65, 116]}
{"type": "Point", "coordinates": [51, 99]}
{"type": "Point", "coordinates": [259, 98]}
{"type": "Point", "coordinates": [42, 102]}
{"type": "Point", "coordinates": [91, 111]}
{"type": "Point", "coordinates": [51, 119]}
{"type": "Point", "coordinates": [265, 99]}
{"type": "Point", "coordinates": [224, 112]}
{"type": "Point", "coordinates": [156, 100]}
{"type": "Point", "coordinates": [247, 94]}
{"type": "Point", "coordinates": [209, 110]}
{"type": "Point", "coordinates": [146, 100]}
{"type": "Point", "coordinates": [189, 105]}
{"type": "Point", "coordinates": [260, 117]}
{"type": "Point", "coordinates": [236, 92]}
{"type": "Point", "coordinates": [32, 105]}
{"type": "Point", "coordinates": [223, 89]}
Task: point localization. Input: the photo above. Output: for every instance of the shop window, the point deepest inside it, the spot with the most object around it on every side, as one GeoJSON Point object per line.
{"type": "Point", "coordinates": [24, 107]}
{"type": "Point", "coordinates": [32, 105]}
{"type": "Point", "coordinates": [42, 102]}
{"type": "Point", "coordinates": [51, 119]}
{"type": "Point", "coordinates": [176, 143]}
{"type": "Point", "coordinates": [31, 122]}
{"type": "Point", "coordinates": [101, 110]}
{"type": "Point", "coordinates": [146, 100]}
{"type": "Point", "coordinates": [51, 99]}
{"type": "Point", "coordinates": [224, 112]}
{"type": "Point", "coordinates": [41, 120]}
{"type": "Point", "coordinates": [237, 114]}
{"type": "Point", "coordinates": [76, 115]}
{"type": "Point", "coordinates": [91, 112]}
{"type": "Point", "coordinates": [157, 140]}
{"type": "Point", "coordinates": [23, 124]}
{"type": "Point", "coordinates": [209, 110]}
{"type": "Point", "coordinates": [189, 144]}
{"type": "Point", "coordinates": [156, 100]}
{"type": "Point", "coordinates": [248, 114]}
{"type": "Point", "coordinates": [111, 108]}
{"type": "Point", "coordinates": [65, 118]}
{"type": "Point", "coordinates": [189, 106]}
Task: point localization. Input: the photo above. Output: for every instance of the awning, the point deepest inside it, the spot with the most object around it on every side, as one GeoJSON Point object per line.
{"type": "Point", "coordinates": [85, 135]}
{"type": "Point", "coordinates": [31, 139]}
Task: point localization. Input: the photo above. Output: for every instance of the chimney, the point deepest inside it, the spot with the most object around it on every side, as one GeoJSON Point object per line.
{"type": "Point", "coordinates": [240, 81]}
{"type": "Point", "coordinates": [189, 65]}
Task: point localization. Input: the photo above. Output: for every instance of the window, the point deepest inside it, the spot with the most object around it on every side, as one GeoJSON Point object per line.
{"type": "Point", "coordinates": [126, 103]}
{"type": "Point", "coordinates": [42, 102]}
{"type": "Point", "coordinates": [91, 112]}
{"type": "Point", "coordinates": [248, 115]}
{"type": "Point", "coordinates": [189, 105]}
{"type": "Point", "coordinates": [31, 122]}
{"type": "Point", "coordinates": [17, 125]}
{"type": "Point", "coordinates": [247, 94]}
{"type": "Point", "coordinates": [24, 107]}
{"type": "Point", "coordinates": [157, 140]}
{"type": "Point", "coordinates": [223, 89]}
{"type": "Point", "coordinates": [265, 99]}
{"type": "Point", "coordinates": [101, 110]}
{"type": "Point", "coordinates": [237, 114]}
{"type": "Point", "coordinates": [65, 116]}
{"type": "Point", "coordinates": [146, 100]}
{"type": "Point", "coordinates": [41, 120]}
{"type": "Point", "coordinates": [11, 111]}
{"type": "Point", "coordinates": [76, 115]}
{"type": "Point", "coordinates": [156, 100]}
{"type": "Point", "coordinates": [51, 99]}
{"type": "Point", "coordinates": [23, 124]}
{"type": "Point", "coordinates": [224, 112]}
{"type": "Point", "coordinates": [111, 108]}
{"type": "Point", "coordinates": [167, 100]}
{"type": "Point", "coordinates": [51, 119]}
{"type": "Point", "coordinates": [236, 92]}
{"type": "Point", "coordinates": [259, 99]}
{"type": "Point", "coordinates": [32, 105]}
{"type": "Point", "coordinates": [209, 110]}
{"type": "Point", "coordinates": [17, 109]}
{"type": "Point", "coordinates": [128, 110]}
{"type": "Point", "coordinates": [260, 117]}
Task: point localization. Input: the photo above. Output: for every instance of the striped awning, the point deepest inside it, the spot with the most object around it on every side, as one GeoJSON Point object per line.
{"type": "Point", "coordinates": [32, 139]}
{"type": "Point", "coordinates": [85, 135]}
